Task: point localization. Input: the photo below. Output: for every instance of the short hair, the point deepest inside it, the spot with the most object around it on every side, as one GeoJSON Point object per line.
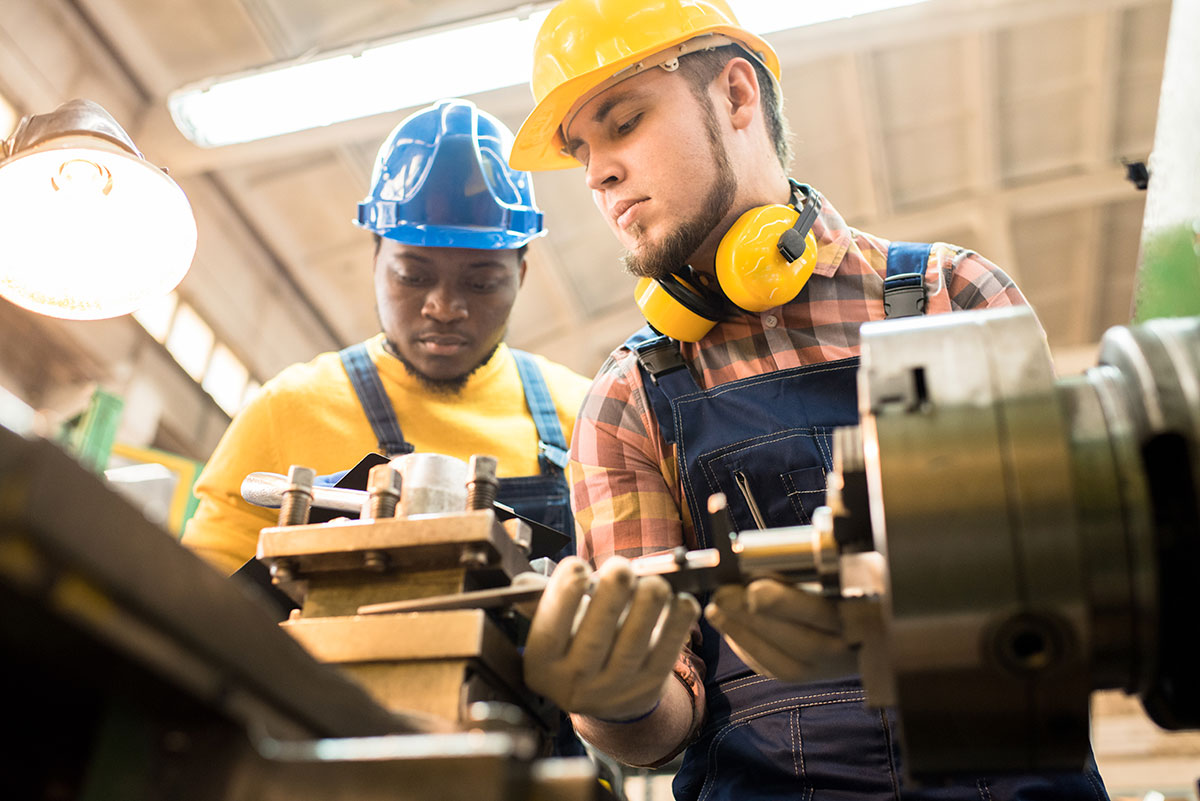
{"type": "Point", "coordinates": [702, 66]}
{"type": "Point", "coordinates": [520, 251]}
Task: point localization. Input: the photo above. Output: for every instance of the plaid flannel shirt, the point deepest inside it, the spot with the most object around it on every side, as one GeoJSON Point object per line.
{"type": "Point", "coordinates": [625, 487]}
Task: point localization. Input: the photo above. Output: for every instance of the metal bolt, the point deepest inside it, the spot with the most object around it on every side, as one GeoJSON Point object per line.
{"type": "Point", "coordinates": [482, 484]}
{"type": "Point", "coordinates": [375, 561]}
{"type": "Point", "coordinates": [473, 556]}
{"type": "Point", "coordinates": [297, 498]}
{"type": "Point", "coordinates": [282, 571]}
{"type": "Point", "coordinates": [383, 488]}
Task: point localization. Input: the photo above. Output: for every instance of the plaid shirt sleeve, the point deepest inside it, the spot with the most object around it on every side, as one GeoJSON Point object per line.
{"type": "Point", "coordinates": [625, 492]}
{"type": "Point", "coordinates": [973, 282]}
{"type": "Point", "coordinates": [623, 477]}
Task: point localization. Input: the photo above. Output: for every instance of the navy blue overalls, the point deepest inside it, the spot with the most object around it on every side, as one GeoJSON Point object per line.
{"type": "Point", "coordinates": [543, 497]}
{"type": "Point", "coordinates": [765, 441]}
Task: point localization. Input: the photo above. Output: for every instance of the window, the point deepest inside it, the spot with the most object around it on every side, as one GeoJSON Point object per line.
{"type": "Point", "coordinates": [225, 379]}
{"type": "Point", "coordinates": [156, 316]}
{"type": "Point", "coordinates": [190, 341]}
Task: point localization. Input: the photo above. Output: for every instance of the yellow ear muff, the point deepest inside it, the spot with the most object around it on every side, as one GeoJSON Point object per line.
{"type": "Point", "coordinates": [666, 308]}
{"type": "Point", "coordinates": [752, 271]}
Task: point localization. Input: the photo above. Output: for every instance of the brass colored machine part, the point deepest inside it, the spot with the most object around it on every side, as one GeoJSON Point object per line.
{"type": "Point", "coordinates": [1041, 535]}
{"type": "Point", "coordinates": [438, 663]}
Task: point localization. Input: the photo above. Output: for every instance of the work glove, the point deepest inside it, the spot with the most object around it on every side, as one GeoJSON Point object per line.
{"type": "Point", "coordinates": [783, 631]}
{"type": "Point", "coordinates": [612, 661]}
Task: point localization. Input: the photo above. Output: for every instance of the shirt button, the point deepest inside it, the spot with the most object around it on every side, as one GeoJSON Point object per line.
{"type": "Point", "coordinates": [770, 321]}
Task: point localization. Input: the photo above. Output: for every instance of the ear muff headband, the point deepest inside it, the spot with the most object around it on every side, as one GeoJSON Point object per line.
{"type": "Point", "coordinates": [763, 261]}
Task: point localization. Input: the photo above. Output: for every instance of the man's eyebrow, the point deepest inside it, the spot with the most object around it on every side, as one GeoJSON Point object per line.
{"type": "Point", "coordinates": [603, 109]}
{"type": "Point", "coordinates": [410, 255]}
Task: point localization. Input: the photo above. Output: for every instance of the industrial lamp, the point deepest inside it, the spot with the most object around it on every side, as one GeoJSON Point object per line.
{"type": "Point", "coordinates": [88, 228]}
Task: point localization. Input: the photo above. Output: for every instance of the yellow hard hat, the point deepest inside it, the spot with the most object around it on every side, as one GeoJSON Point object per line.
{"type": "Point", "coordinates": [585, 43]}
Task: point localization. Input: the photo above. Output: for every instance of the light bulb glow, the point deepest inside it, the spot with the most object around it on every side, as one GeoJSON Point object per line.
{"type": "Point", "coordinates": [416, 71]}
{"type": "Point", "coordinates": [391, 76]}
{"type": "Point", "coordinates": [87, 234]}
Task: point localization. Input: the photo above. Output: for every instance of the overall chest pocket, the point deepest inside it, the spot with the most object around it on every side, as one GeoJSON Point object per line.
{"type": "Point", "coordinates": [773, 480]}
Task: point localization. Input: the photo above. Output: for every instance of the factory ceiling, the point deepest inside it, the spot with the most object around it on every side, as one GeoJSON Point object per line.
{"type": "Point", "coordinates": [1000, 125]}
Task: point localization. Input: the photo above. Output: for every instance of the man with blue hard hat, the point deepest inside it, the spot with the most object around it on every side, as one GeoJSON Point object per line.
{"type": "Point", "coordinates": [451, 222]}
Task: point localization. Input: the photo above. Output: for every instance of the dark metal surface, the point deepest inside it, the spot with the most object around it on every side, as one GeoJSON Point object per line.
{"type": "Point", "coordinates": [75, 554]}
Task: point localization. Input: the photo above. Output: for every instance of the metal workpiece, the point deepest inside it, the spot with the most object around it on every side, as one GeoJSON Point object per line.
{"type": "Point", "coordinates": [267, 490]}
{"type": "Point", "coordinates": [431, 483]}
{"type": "Point", "coordinates": [383, 493]}
{"type": "Point", "coordinates": [482, 484]}
{"type": "Point", "coordinates": [799, 554]}
{"type": "Point", "coordinates": [796, 553]}
{"type": "Point", "coordinates": [296, 500]}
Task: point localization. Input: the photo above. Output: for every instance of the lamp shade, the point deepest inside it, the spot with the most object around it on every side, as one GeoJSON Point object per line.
{"type": "Point", "coordinates": [88, 228]}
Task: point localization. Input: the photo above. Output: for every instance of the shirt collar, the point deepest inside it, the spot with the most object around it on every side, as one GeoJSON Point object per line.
{"type": "Point", "coordinates": [833, 239]}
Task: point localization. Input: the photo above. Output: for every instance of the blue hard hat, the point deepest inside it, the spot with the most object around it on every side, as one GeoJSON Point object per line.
{"type": "Point", "coordinates": [442, 180]}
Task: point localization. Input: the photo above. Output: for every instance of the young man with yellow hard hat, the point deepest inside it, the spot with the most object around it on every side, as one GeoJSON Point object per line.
{"type": "Point", "coordinates": [755, 288]}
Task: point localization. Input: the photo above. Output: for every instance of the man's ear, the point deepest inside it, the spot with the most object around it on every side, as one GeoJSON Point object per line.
{"type": "Point", "coordinates": [739, 89]}
{"type": "Point", "coordinates": [521, 272]}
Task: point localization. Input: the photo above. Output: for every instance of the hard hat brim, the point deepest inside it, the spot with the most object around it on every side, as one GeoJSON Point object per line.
{"type": "Point", "coordinates": [539, 145]}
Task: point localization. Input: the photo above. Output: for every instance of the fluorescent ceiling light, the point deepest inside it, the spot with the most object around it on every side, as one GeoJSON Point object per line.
{"type": "Point", "coordinates": [414, 71]}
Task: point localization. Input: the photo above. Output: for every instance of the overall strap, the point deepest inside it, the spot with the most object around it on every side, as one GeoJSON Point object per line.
{"type": "Point", "coordinates": [552, 445]}
{"type": "Point", "coordinates": [904, 286]}
{"type": "Point", "coordinates": [364, 377]}
{"type": "Point", "coordinates": [664, 374]}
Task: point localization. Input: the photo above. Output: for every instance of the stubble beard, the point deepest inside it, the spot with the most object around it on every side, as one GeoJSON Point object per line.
{"type": "Point", "coordinates": [659, 260]}
{"type": "Point", "coordinates": [434, 385]}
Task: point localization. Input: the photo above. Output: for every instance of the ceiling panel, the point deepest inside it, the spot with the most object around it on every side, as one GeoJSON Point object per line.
{"type": "Point", "coordinates": [301, 26]}
{"type": "Point", "coordinates": [1049, 249]}
{"type": "Point", "coordinates": [1042, 93]}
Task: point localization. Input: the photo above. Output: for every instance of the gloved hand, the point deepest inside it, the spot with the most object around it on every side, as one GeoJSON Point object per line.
{"type": "Point", "coordinates": [782, 631]}
{"type": "Point", "coordinates": [613, 663]}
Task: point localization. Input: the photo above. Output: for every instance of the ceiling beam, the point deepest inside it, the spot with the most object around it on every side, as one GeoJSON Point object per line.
{"type": "Point", "coordinates": [24, 48]}
{"type": "Point", "coordinates": [1101, 65]}
{"type": "Point", "coordinates": [980, 81]}
{"type": "Point", "coordinates": [984, 211]}
{"type": "Point", "coordinates": [863, 119]}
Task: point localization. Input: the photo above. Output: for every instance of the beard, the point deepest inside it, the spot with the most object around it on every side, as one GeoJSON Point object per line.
{"type": "Point", "coordinates": [677, 247]}
{"type": "Point", "coordinates": [433, 384]}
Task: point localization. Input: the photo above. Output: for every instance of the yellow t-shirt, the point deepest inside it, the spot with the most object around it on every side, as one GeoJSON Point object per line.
{"type": "Point", "coordinates": [310, 415]}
